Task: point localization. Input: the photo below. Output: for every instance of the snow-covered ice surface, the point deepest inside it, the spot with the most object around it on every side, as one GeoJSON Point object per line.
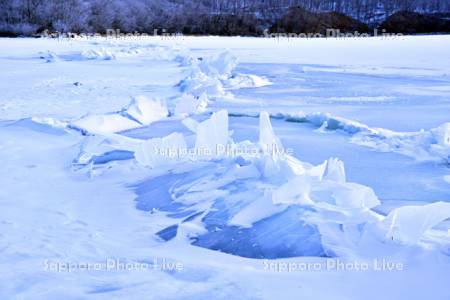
{"type": "Point", "coordinates": [225, 168]}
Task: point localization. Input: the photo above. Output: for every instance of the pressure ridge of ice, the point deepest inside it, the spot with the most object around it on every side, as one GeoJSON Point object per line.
{"type": "Point", "coordinates": [232, 202]}
{"type": "Point", "coordinates": [230, 196]}
{"type": "Point", "coordinates": [423, 145]}
{"type": "Point", "coordinates": [114, 52]}
{"type": "Point", "coordinates": [215, 75]}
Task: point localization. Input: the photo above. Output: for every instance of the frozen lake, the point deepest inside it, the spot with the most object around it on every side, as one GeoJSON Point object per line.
{"type": "Point", "coordinates": [367, 176]}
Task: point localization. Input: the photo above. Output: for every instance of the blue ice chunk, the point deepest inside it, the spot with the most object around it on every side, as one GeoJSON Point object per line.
{"type": "Point", "coordinates": [279, 236]}
{"type": "Point", "coordinates": [168, 233]}
{"type": "Point", "coordinates": [115, 155]}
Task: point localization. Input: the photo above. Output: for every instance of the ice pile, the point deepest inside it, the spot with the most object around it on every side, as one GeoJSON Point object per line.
{"type": "Point", "coordinates": [140, 112]}
{"type": "Point", "coordinates": [149, 51]}
{"type": "Point", "coordinates": [220, 66]}
{"type": "Point", "coordinates": [190, 105]}
{"type": "Point", "coordinates": [118, 52]}
{"type": "Point", "coordinates": [424, 145]}
{"type": "Point", "coordinates": [158, 151]}
{"type": "Point", "coordinates": [240, 81]}
{"type": "Point", "coordinates": [215, 75]}
{"type": "Point", "coordinates": [212, 136]}
{"type": "Point", "coordinates": [257, 200]}
{"type": "Point", "coordinates": [409, 223]}
{"type": "Point", "coordinates": [199, 83]}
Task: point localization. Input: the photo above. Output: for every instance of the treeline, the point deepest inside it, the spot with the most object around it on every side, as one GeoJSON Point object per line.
{"type": "Point", "coordinates": [224, 17]}
{"type": "Point", "coordinates": [368, 11]}
{"type": "Point", "coordinates": [31, 16]}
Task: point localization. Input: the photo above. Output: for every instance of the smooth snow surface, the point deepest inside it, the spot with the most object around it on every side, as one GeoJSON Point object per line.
{"type": "Point", "coordinates": [225, 168]}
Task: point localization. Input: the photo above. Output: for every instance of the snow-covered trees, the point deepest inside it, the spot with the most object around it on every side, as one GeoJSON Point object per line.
{"type": "Point", "coordinates": [189, 16]}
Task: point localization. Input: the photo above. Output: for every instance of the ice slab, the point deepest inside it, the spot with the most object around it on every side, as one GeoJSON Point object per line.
{"type": "Point", "coordinates": [189, 105]}
{"type": "Point", "coordinates": [267, 138]}
{"type": "Point", "coordinates": [104, 123]}
{"type": "Point", "coordinates": [160, 151]}
{"type": "Point", "coordinates": [146, 111]}
{"type": "Point", "coordinates": [409, 223]}
{"type": "Point", "coordinates": [141, 111]}
{"type": "Point", "coordinates": [212, 135]}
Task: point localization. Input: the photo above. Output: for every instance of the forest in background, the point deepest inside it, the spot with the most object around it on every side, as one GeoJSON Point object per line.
{"type": "Point", "coordinates": [222, 17]}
